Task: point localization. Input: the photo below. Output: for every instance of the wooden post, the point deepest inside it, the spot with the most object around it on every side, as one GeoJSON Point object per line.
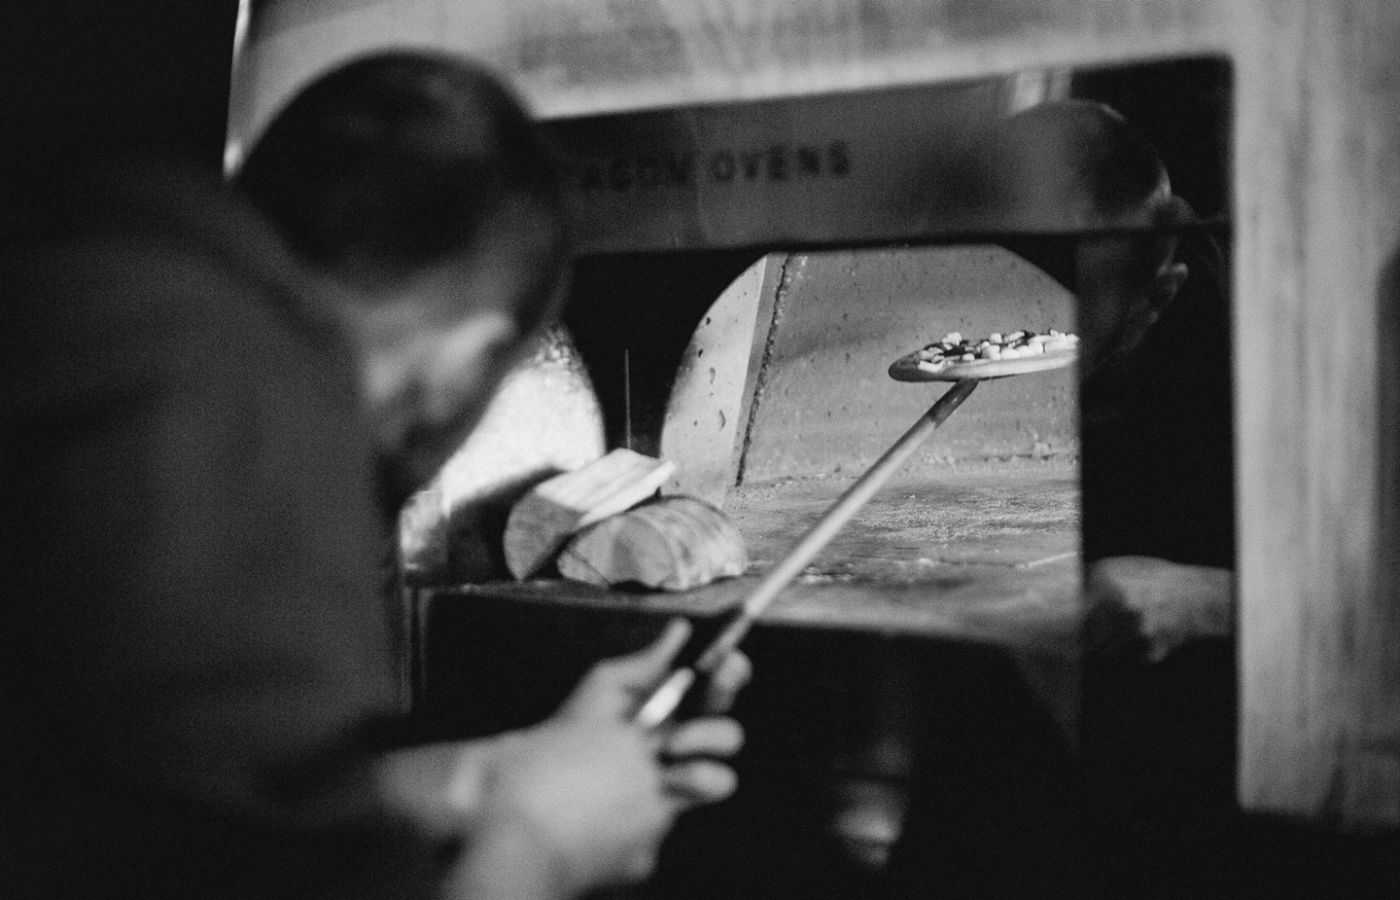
{"type": "Point", "coordinates": [1318, 214]}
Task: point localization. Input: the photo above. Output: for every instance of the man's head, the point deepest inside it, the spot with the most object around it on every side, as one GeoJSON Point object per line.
{"type": "Point", "coordinates": [1078, 166]}
{"type": "Point", "coordinates": [422, 186]}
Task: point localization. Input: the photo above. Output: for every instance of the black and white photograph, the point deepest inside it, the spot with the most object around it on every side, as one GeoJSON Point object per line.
{"type": "Point", "coordinates": [700, 450]}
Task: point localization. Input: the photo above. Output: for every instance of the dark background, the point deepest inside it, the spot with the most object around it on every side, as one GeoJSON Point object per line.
{"type": "Point", "coordinates": [83, 79]}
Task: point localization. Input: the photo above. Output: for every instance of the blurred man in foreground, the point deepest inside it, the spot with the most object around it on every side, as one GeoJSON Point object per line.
{"type": "Point", "coordinates": [202, 399]}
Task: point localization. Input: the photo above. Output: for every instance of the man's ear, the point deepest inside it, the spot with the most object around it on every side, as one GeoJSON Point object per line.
{"type": "Point", "coordinates": [1165, 285]}
{"type": "Point", "coordinates": [1169, 279]}
{"type": "Point", "coordinates": [1148, 307]}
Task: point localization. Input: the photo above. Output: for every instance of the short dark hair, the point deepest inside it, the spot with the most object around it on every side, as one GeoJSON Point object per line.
{"type": "Point", "coordinates": [395, 161]}
{"type": "Point", "coordinates": [1084, 147]}
{"type": "Point", "coordinates": [1070, 153]}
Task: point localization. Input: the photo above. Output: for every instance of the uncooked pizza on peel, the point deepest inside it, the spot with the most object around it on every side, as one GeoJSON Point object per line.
{"type": "Point", "coordinates": [955, 358]}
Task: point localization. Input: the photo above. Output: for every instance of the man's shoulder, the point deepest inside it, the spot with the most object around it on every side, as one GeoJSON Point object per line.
{"type": "Point", "coordinates": [154, 263]}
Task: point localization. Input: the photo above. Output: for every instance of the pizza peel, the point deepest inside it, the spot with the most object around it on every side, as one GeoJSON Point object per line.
{"type": "Point", "coordinates": [662, 703]}
{"type": "Point", "coordinates": [911, 367]}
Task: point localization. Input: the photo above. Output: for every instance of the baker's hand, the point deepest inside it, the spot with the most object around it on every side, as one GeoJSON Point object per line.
{"type": "Point", "coordinates": [584, 800]}
{"type": "Point", "coordinates": [564, 808]}
{"type": "Point", "coordinates": [1142, 605]}
{"type": "Point", "coordinates": [693, 751]}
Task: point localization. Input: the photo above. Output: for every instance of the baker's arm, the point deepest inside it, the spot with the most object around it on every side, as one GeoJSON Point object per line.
{"type": "Point", "coordinates": [580, 801]}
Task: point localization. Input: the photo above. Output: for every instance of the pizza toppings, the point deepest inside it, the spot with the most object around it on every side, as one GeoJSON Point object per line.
{"type": "Point", "coordinates": [954, 348]}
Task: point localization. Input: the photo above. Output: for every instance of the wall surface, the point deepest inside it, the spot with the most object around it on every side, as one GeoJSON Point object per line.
{"type": "Point", "coordinates": [1317, 216]}
{"type": "Point", "coordinates": [577, 57]}
{"type": "Point", "coordinates": [79, 80]}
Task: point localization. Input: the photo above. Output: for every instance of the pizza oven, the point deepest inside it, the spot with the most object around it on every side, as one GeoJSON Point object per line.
{"type": "Point", "coordinates": [746, 274]}
{"type": "Point", "coordinates": [774, 202]}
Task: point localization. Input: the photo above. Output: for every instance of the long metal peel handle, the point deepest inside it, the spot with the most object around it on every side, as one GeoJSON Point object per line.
{"type": "Point", "coordinates": [664, 700]}
{"type": "Point", "coordinates": [661, 702]}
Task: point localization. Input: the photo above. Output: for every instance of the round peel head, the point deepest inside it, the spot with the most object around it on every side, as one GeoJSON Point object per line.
{"type": "Point", "coordinates": [912, 367]}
